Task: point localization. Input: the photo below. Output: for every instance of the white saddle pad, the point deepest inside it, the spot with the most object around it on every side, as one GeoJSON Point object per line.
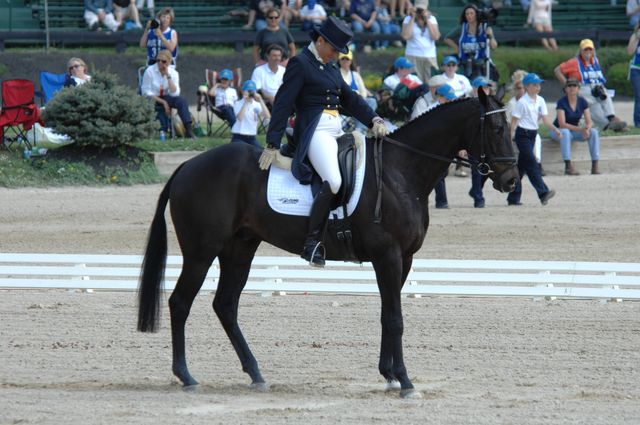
{"type": "Point", "coordinates": [286, 195]}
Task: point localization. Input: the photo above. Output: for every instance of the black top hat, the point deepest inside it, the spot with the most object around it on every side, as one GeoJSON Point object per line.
{"type": "Point", "coordinates": [337, 33]}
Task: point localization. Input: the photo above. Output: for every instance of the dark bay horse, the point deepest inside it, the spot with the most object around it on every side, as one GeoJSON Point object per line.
{"type": "Point", "coordinates": [219, 209]}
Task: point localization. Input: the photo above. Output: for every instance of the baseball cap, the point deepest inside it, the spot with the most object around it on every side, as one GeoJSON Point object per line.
{"type": "Point", "coordinates": [480, 82]}
{"type": "Point", "coordinates": [249, 86]}
{"type": "Point", "coordinates": [572, 82]}
{"type": "Point", "coordinates": [532, 78]}
{"type": "Point", "coordinates": [227, 74]}
{"type": "Point", "coordinates": [446, 91]}
{"type": "Point", "coordinates": [422, 4]}
{"type": "Point", "coordinates": [586, 43]}
{"type": "Point", "coordinates": [403, 63]}
{"type": "Point", "coordinates": [448, 59]}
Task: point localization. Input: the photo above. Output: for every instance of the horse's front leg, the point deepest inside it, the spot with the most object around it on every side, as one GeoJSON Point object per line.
{"type": "Point", "coordinates": [391, 273]}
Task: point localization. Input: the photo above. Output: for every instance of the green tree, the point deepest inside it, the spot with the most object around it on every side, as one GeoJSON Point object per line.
{"type": "Point", "coordinates": [101, 113]}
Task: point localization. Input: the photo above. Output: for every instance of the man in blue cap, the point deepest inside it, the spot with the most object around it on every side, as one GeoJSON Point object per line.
{"type": "Point", "coordinates": [530, 108]}
{"type": "Point", "coordinates": [458, 82]}
{"type": "Point", "coordinates": [314, 89]}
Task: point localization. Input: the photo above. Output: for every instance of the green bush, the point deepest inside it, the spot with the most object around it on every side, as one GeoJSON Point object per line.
{"type": "Point", "coordinates": [101, 113]}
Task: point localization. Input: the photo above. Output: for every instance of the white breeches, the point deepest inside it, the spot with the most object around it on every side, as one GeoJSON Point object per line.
{"type": "Point", "coordinates": [323, 150]}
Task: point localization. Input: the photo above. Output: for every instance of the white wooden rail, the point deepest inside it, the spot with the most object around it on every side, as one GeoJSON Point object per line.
{"type": "Point", "coordinates": [563, 279]}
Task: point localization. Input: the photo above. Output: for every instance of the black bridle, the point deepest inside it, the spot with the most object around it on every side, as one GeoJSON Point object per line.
{"type": "Point", "coordinates": [482, 166]}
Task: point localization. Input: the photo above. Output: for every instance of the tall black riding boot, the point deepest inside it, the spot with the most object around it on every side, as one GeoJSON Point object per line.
{"type": "Point", "coordinates": [313, 250]}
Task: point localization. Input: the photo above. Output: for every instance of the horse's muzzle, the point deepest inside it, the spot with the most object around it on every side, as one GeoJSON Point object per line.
{"type": "Point", "coordinates": [507, 180]}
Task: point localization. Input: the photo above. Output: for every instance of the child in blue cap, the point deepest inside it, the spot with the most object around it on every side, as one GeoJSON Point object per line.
{"type": "Point", "coordinates": [249, 111]}
{"type": "Point", "coordinates": [529, 109]}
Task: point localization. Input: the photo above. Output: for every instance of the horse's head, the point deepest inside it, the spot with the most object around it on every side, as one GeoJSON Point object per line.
{"type": "Point", "coordinates": [493, 150]}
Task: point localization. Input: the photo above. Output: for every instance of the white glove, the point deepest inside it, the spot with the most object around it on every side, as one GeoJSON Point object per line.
{"type": "Point", "coordinates": [379, 129]}
{"type": "Point", "coordinates": [267, 157]}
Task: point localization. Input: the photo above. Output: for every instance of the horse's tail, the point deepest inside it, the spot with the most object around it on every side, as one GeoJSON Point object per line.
{"type": "Point", "coordinates": [153, 265]}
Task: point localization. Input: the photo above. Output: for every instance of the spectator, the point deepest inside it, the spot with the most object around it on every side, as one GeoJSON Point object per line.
{"type": "Point", "coordinates": [355, 81]}
{"type": "Point", "coordinates": [77, 73]}
{"type": "Point", "coordinates": [98, 12]}
{"type": "Point", "coordinates": [312, 14]}
{"type": "Point", "coordinates": [364, 17]}
{"type": "Point", "coordinates": [268, 76]}
{"type": "Point", "coordinates": [273, 34]}
{"type": "Point", "coordinates": [387, 25]}
{"type": "Point", "coordinates": [471, 41]}
{"type": "Point", "coordinates": [424, 102]}
{"type": "Point", "coordinates": [420, 30]}
{"type": "Point", "coordinates": [403, 68]}
{"type": "Point", "coordinates": [586, 69]}
{"type": "Point", "coordinates": [633, 12]}
{"type": "Point", "coordinates": [161, 83]}
{"type": "Point", "coordinates": [225, 96]}
{"type": "Point", "coordinates": [633, 48]}
{"type": "Point", "coordinates": [540, 18]}
{"type": "Point", "coordinates": [291, 12]}
{"type": "Point", "coordinates": [249, 110]}
{"type": "Point", "coordinates": [571, 109]}
{"type": "Point", "coordinates": [124, 9]}
{"type": "Point", "coordinates": [258, 10]}
{"type": "Point", "coordinates": [159, 35]}
{"type": "Point", "coordinates": [524, 122]}
{"type": "Point", "coordinates": [458, 82]}
{"type": "Point", "coordinates": [150, 6]}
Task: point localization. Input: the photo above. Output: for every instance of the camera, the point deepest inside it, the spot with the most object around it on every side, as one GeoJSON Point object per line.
{"type": "Point", "coordinates": [599, 92]}
{"type": "Point", "coordinates": [489, 15]}
{"type": "Point", "coordinates": [252, 94]}
{"type": "Point", "coordinates": [154, 23]}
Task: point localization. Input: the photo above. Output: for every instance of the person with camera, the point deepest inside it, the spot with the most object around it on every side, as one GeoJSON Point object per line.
{"type": "Point", "coordinates": [633, 48]}
{"type": "Point", "coordinates": [472, 41]}
{"type": "Point", "coordinates": [585, 68]}
{"type": "Point", "coordinates": [158, 35]}
{"type": "Point", "coordinates": [161, 82]}
{"type": "Point", "coordinates": [570, 110]}
{"type": "Point", "coordinates": [420, 30]}
{"type": "Point", "coordinates": [249, 111]}
{"type": "Point", "coordinates": [314, 89]}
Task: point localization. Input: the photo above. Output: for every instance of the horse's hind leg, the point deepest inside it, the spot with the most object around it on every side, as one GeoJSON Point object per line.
{"type": "Point", "coordinates": [194, 270]}
{"type": "Point", "coordinates": [235, 263]}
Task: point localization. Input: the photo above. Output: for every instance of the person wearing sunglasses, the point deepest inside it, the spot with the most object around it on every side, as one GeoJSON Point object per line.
{"type": "Point", "coordinates": [273, 34]}
{"type": "Point", "coordinates": [571, 109]}
{"type": "Point", "coordinates": [585, 68]}
{"type": "Point", "coordinates": [259, 11]}
{"type": "Point", "coordinates": [161, 82]}
{"type": "Point", "coordinates": [77, 75]}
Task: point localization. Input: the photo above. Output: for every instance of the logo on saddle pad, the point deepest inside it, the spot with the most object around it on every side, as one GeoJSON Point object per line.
{"type": "Point", "coordinates": [286, 195]}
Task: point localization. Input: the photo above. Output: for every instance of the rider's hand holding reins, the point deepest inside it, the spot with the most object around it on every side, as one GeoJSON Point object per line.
{"type": "Point", "coordinates": [379, 129]}
{"type": "Point", "coordinates": [267, 157]}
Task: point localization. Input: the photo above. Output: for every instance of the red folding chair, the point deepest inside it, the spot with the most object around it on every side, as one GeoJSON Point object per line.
{"type": "Point", "coordinates": [19, 112]}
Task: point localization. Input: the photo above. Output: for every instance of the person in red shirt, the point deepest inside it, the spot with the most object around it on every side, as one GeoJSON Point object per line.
{"type": "Point", "coordinates": [586, 69]}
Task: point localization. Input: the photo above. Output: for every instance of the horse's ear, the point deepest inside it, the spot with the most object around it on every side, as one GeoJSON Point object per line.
{"type": "Point", "coordinates": [482, 97]}
{"type": "Point", "coordinates": [501, 92]}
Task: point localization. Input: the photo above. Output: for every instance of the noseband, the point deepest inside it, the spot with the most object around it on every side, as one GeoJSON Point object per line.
{"type": "Point", "coordinates": [482, 166]}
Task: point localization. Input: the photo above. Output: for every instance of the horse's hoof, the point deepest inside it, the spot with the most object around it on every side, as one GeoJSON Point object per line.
{"type": "Point", "coordinates": [258, 386]}
{"type": "Point", "coordinates": [411, 393]}
{"type": "Point", "coordinates": [392, 385]}
{"type": "Point", "coordinates": [192, 388]}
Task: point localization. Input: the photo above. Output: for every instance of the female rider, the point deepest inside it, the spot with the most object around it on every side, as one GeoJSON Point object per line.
{"type": "Point", "coordinates": [313, 87]}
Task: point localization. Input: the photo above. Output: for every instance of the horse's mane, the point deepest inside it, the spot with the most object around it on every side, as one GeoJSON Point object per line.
{"type": "Point", "coordinates": [426, 118]}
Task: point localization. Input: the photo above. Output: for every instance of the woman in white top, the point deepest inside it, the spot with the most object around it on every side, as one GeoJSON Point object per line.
{"type": "Point", "coordinates": [540, 19]}
{"type": "Point", "coordinates": [77, 73]}
{"type": "Point", "coordinates": [420, 30]}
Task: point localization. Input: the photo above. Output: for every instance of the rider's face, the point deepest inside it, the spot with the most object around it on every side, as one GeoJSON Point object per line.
{"type": "Point", "coordinates": [325, 50]}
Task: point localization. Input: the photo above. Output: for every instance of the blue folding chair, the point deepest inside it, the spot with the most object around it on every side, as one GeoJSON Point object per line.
{"type": "Point", "coordinates": [50, 83]}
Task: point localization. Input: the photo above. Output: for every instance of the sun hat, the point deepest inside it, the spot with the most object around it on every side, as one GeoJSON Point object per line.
{"type": "Point", "coordinates": [249, 86]}
{"type": "Point", "coordinates": [227, 74]}
{"type": "Point", "coordinates": [403, 63]}
{"type": "Point", "coordinates": [446, 91]}
{"type": "Point", "coordinates": [336, 32]}
{"type": "Point", "coordinates": [480, 82]}
{"type": "Point", "coordinates": [448, 59]}
{"type": "Point", "coordinates": [586, 43]}
{"type": "Point", "coordinates": [422, 4]}
{"type": "Point", "coordinates": [532, 78]}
